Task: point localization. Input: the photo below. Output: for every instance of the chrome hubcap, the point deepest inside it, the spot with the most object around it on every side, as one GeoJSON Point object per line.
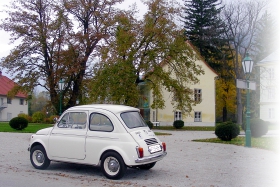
{"type": "Point", "coordinates": [40, 157]}
{"type": "Point", "coordinates": [113, 165]}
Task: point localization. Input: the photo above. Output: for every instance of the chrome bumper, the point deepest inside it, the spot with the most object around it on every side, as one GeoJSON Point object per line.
{"type": "Point", "coordinates": [151, 158]}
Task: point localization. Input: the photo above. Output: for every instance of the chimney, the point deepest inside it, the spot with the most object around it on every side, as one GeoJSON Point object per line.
{"type": "Point", "coordinates": [0, 73]}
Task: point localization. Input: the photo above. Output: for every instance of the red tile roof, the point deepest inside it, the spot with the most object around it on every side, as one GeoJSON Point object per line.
{"type": "Point", "coordinates": [6, 85]}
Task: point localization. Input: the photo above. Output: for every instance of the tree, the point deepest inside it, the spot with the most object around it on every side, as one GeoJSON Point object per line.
{"type": "Point", "coordinates": [57, 39]}
{"type": "Point", "coordinates": [241, 21]}
{"type": "Point", "coordinates": [225, 94]}
{"type": "Point", "coordinates": [205, 30]}
{"type": "Point", "coordinates": [40, 103]}
{"type": "Point", "coordinates": [141, 48]}
{"type": "Point", "coordinates": [266, 37]}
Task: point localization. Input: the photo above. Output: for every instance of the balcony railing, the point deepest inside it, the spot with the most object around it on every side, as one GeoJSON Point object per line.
{"type": "Point", "coordinates": [3, 106]}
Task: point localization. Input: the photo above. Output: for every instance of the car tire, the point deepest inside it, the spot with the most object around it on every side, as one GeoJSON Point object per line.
{"type": "Point", "coordinates": [113, 166]}
{"type": "Point", "coordinates": [147, 166]}
{"type": "Point", "coordinates": [39, 158]}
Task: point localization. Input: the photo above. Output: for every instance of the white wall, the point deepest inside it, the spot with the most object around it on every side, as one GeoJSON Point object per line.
{"type": "Point", "coordinates": [13, 109]}
{"type": "Point", "coordinates": [206, 107]}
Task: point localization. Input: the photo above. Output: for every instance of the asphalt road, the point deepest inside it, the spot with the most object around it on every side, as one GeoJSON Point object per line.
{"type": "Point", "coordinates": [186, 164]}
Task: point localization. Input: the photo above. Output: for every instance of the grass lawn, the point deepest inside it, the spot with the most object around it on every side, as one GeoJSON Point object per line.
{"type": "Point", "coordinates": [31, 128]}
{"type": "Point", "coordinates": [185, 128]}
{"type": "Point", "coordinates": [268, 143]}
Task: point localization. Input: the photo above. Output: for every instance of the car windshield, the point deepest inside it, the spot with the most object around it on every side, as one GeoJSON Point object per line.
{"type": "Point", "coordinates": [133, 120]}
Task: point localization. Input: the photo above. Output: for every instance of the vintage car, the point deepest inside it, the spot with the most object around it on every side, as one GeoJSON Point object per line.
{"type": "Point", "coordinates": [112, 136]}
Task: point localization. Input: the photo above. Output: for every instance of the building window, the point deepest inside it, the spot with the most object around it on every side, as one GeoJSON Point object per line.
{"type": "Point", "coordinates": [197, 117]}
{"type": "Point", "coordinates": [9, 116]}
{"type": "Point", "coordinates": [9, 101]}
{"type": "Point", "coordinates": [21, 101]}
{"type": "Point", "coordinates": [271, 93]}
{"type": "Point", "coordinates": [271, 113]}
{"type": "Point", "coordinates": [198, 95]}
{"type": "Point", "coordinates": [271, 73]}
{"type": "Point", "coordinates": [177, 116]}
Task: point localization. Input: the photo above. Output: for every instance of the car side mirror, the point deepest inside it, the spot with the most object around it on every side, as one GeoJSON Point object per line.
{"type": "Point", "coordinates": [55, 119]}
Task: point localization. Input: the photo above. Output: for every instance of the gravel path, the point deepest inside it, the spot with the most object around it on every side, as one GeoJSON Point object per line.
{"type": "Point", "coordinates": [186, 164]}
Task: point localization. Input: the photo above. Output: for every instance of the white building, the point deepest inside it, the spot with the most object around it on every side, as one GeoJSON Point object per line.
{"type": "Point", "coordinates": [269, 87]}
{"type": "Point", "coordinates": [203, 114]}
{"type": "Point", "coordinates": [11, 107]}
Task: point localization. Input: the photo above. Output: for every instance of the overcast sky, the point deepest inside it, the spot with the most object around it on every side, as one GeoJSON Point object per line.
{"type": "Point", "coordinates": [4, 37]}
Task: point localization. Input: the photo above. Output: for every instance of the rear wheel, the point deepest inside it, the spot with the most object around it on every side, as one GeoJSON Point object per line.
{"type": "Point", "coordinates": [147, 166]}
{"type": "Point", "coordinates": [39, 158]}
{"type": "Point", "coordinates": [112, 165]}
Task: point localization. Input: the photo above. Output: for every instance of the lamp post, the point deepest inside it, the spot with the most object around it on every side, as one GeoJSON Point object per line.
{"type": "Point", "coordinates": [247, 64]}
{"type": "Point", "coordinates": [61, 86]}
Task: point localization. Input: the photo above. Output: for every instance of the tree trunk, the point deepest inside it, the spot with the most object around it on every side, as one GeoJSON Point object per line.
{"type": "Point", "coordinates": [224, 113]}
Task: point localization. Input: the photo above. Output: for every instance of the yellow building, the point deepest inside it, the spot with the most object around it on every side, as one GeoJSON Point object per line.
{"type": "Point", "coordinates": [203, 114]}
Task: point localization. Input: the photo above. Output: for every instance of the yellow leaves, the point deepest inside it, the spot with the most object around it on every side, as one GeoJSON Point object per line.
{"type": "Point", "coordinates": [226, 96]}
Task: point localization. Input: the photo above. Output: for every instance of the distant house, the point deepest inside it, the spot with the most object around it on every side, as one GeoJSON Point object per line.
{"type": "Point", "coordinates": [269, 87]}
{"type": "Point", "coordinates": [203, 114]}
{"type": "Point", "coordinates": [10, 107]}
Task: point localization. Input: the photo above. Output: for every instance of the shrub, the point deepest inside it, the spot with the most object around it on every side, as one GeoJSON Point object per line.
{"type": "Point", "coordinates": [178, 124]}
{"type": "Point", "coordinates": [150, 124]}
{"type": "Point", "coordinates": [51, 120]}
{"type": "Point", "coordinates": [26, 116]}
{"type": "Point", "coordinates": [48, 121]}
{"type": "Point", "coordinates": [227, 131]}
{"type": "Point", "coordinates": [258, 127]}
{"type": "Point", "coordinates": [38, 117]}
{"type": "Point", "coordinates": [18, 123]}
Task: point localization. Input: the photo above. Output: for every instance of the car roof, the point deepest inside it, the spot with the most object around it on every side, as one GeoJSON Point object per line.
{"type": "Point", "coordinates": [109, 107]}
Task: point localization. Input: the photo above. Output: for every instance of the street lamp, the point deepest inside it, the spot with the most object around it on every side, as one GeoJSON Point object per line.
{"type": "Point", "coordinates": [61, 86]}
{"type": "Point", "coordinates": [247, 64]}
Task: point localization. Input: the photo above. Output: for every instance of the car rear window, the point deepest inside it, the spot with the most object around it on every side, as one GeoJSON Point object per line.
{"type": "Point", "coordinates": [133, 120]}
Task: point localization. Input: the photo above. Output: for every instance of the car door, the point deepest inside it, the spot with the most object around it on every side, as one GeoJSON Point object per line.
{"type": "Point", "coordinates": [67, 139]}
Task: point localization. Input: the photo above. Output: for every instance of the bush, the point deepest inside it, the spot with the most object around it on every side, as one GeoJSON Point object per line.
{"type": "Point", "coordinates": [38, 117]}
{"type": "Point", "coordinates": [178, 124]}
{"type": "Point", "coordinates": [227, 131]}
{"type": "Point", "coordinates": [258, 127]}
{"type": "Point", "coordinates": [26, 116]}
{"type": "Point", "coordinates": [150, 124]}
{"type": "Point", "coordinates": [48, 121]}
{"type": "Point", "coordinates": [18, 123]}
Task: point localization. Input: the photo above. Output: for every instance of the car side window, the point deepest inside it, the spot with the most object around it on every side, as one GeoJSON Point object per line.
{"type": "Point", "coordinates": [74, 120]}
{"type": "Point", "coordinates": [100, 122]}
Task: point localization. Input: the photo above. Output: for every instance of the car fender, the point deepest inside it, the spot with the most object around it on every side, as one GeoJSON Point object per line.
{"type": "Point", "coordinates": [127, 156]}
{"type": "Point", "coordinates": [43, 140]}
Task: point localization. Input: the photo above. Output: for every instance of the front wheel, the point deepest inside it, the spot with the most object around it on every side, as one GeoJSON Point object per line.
{"type": "Point", "coordinates": [147, 166]}
{"type": "Point", "coordinates": [39, 158]}
{"type": "Point", "coordinates": [112, 165]}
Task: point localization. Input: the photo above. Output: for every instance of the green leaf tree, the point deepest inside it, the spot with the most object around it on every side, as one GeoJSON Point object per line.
{"type": "Point", "coordinates": [205, 30]}
{"type": "Point", "coordinates": [141, 48]}
{"type": "Point", "coordinates": [56, 40]}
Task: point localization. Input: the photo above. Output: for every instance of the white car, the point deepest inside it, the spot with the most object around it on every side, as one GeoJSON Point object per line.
{"type": "Point", "coordinates": [112, 136]}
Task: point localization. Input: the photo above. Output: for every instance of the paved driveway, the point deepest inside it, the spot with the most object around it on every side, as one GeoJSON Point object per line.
{"type": "Point", "coordinates": [186, 164]}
